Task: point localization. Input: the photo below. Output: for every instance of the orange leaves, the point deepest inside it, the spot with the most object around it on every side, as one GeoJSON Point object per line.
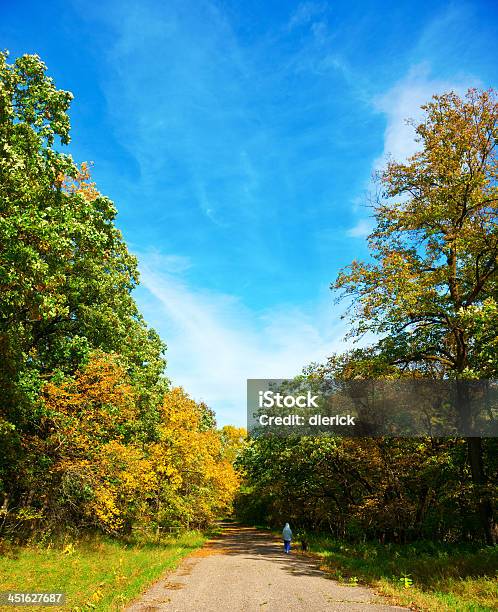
{"type": "Point", "coordinates": [80, 184]}
{"type": "Point", "coordinates": [104, 382]}
{"type": "Point", "coordinates": [99, 396]}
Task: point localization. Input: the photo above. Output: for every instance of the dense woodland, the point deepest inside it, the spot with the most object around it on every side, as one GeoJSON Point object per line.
{"type": "Point", "coordinates": [93, 435]}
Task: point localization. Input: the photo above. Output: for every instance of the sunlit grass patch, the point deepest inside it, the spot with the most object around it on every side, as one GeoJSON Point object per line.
{"type": "Point", "coordinates": [427, 575]}
{"type": "Point", "coordinates": [95, 573]}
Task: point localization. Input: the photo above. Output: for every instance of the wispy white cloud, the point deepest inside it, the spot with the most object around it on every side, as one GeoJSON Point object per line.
{"type": "Point", "coordinates": [215, 342]}
{"type": "Point", "coordinates": [447, 32]}
{"type": "Point", "coordinates": [172, 264]}
{"type": "Point", "coordinates": [361, 230]}
{"type": "Point", "coordinates": [401, 106]}
{"type": "Point", "coordinates": [403, 101]}
{"type": "Point", "coordinates": [305, 13]}
{"type": "Point", "coordinates": [176, 87]}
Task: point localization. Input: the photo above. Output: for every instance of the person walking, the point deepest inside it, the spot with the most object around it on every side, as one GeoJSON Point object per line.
{"type": "Point", "coordinates": [287, 535]}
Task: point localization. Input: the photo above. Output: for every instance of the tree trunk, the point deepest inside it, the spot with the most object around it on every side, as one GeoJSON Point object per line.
{"type": "Point", "coordinates": [475, 457]}
{"type": "Point", "coordinates": [485, 506]}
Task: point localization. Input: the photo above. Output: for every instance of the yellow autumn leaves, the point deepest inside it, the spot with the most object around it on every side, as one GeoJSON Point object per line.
{"type": "Point", "coordinates": [110, 472]}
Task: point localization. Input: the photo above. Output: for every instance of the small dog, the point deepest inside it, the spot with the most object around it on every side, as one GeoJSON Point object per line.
{"type": "Point", "coordinates": [304, 544]}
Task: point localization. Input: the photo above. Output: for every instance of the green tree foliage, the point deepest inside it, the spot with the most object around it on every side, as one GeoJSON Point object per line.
{"type": "Point", "coordinates": [81, 374]}
{"type": "Point", "coordinates": [392, 490]}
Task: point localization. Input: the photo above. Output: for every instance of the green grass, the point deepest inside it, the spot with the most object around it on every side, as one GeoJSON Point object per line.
{"type": "Point", "coordinates": [96, 573]}
{"type": "Point", "coordinates": [440, 577]}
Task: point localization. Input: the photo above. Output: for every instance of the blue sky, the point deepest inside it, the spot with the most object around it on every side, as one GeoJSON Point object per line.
{"type": "Point", "coordinates": [238, 140]}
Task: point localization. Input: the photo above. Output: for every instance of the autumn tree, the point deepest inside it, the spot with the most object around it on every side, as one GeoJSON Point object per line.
{"type": "Point", "coordinates": [197, 480]}
{"type": "Point", "coordinates": [430, 294]}
{"type": "Point", "coordinates": [66, 275]}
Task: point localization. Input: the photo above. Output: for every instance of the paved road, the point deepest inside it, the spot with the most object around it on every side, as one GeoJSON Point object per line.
{"type": "Point", "coordinates": [246, 570]}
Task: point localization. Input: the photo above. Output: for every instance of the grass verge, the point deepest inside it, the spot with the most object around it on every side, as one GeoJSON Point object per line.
{"type": "Point", "coordinates": [96, 573]}
{"type": "Point", "coordinates": [423, 575]}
